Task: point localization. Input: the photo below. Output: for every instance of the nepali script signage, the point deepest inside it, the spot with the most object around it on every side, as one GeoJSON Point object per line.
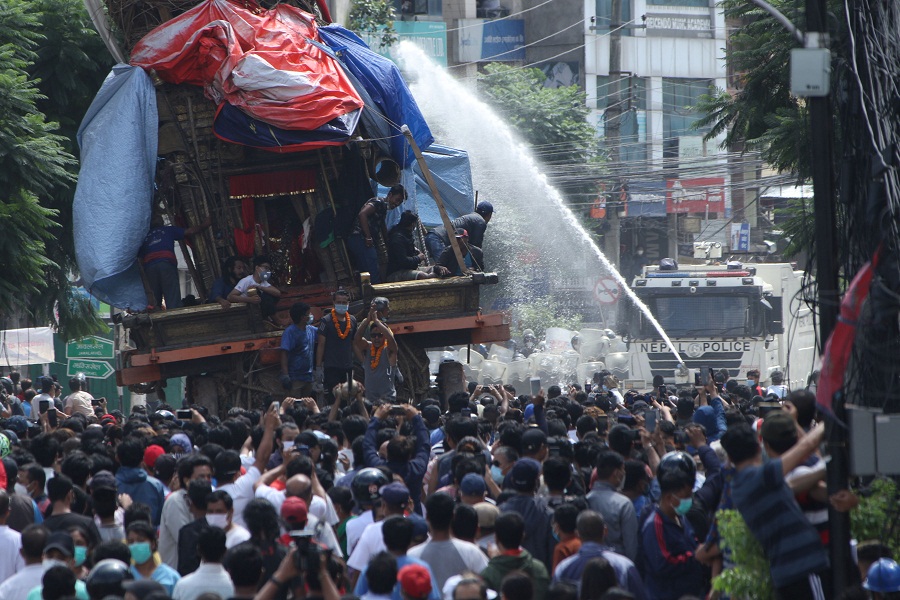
{"type": "Point", "coordinates": [495, 41]}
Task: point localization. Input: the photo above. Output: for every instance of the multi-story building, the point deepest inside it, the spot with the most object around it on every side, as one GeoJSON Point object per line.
{"type": "Point", "coordinates": [675, 185]}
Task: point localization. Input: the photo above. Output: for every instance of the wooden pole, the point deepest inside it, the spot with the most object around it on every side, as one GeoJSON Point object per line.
{"type": "Point", "coordinates": [451, 232]}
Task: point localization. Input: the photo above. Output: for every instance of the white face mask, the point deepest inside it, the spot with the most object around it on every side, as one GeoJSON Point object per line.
{"type": "Point", "coordinates": [288, 445]}
{"type": "Point", "coordinates": [49, 563]}
{"type": "Point", "coordinates": [22, 490]}
{"type": "Point", "coordinates": [220, 520]}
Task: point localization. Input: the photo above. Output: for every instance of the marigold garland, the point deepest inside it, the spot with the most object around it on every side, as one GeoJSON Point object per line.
{"type": "Point", "coordinates": [341, 334]}
{"type": "Point", "coordinates": [376, 354]}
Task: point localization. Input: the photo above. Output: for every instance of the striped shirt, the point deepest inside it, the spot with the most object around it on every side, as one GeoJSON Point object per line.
{"type": "Point", "coordinates": [773, 516]}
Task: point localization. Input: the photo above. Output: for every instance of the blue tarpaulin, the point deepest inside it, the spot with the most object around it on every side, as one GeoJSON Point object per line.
{"type": "Point", "coordinates": [111, 212]}
{"type": "Point", "coordinates": [453, 177]}
{"type": "Point", "coordinates": [382, 80]}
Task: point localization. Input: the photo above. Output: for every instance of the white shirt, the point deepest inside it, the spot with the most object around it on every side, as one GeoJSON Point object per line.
{"type": "Point", "coordinates": [36, 405]}
{"type": "Point", "coordinates": [323, 508]}
{"type": "Point", "coordinates": [18, 586]}
{"type": "Point", "coordinates": [326, 537]}
{"type": "Point", "coordinates": [371, 542]}
{"type": "Point", "coordinates": [11, 560]}
{"type": "Point", "coordinates": [175, 515]}
{"type": "Point", "coordinates": [235, 536]}
{"type": "Point", "coordinates": [779, 390]}
{"type": "Point", "coordinates": [356, 527]}
{"type": "Point", "coordinates": [244, 284]}
{"type": "Point", "coordinates": [241, 492]}
{"type": "Point", "coordinates": [209, 577]}
{"type": "Point", "coordinates": [80, 402]}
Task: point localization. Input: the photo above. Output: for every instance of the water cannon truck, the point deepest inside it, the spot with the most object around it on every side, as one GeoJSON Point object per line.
{"type": "Point", "coordinates": [735, 317]}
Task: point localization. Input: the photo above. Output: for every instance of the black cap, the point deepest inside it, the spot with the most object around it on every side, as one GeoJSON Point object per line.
{"type": "Point", "coordinates": [61, 541]}
{"type": "Point", "coordinates": [533, 439]}
{"type": "Point", "coordinates": [228, 464]}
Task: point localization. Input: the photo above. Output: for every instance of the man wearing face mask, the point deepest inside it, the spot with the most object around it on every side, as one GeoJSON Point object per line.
{"type": "Point", "coordinates": [219, 512]}
{"type": "Point", "coordinates": [617, 510]}
{"type": "Point", "coordinates": [298, 343]}
{"type": "Point", "coordinates": [59, 551]}
{"type": "Point", "coordinates": [142, 544]}
{"type": "Point", "coordinates": [672, 570]}
{"type": "Point", "coordinates": [334, 345]}
{"type": "Point", "coordinates": [256, 289]}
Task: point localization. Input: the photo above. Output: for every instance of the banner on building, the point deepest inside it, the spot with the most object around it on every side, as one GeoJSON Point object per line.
{"type": "Point", "coordinates": [699, 195]}
{"type": "Point", "coordinates": [647, 198]}
{"type": "Point", "coordinates": [495, 41]}
{"type": "Point", "coordinates": [740, 237]}
{"type": "Point", "coordinates": [31, 346]}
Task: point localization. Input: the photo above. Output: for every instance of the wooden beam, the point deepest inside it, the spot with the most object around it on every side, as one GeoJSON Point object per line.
{"type": "Point", "coordinates": [451, 232]}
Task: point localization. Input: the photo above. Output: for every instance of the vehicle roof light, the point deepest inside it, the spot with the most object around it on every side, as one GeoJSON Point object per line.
{"type": "Point", "coordinates": [698, 274]}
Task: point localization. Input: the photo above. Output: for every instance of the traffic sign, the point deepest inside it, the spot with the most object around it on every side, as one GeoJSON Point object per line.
{"type": "Point", "coordinates": [92, 369]}
{"type": "Point", "coordinates": [606, 291]}
{"type": "Point", "coordinates": [90, 347]}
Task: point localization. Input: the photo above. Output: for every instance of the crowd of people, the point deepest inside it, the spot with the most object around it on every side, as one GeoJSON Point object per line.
{"type": "Point", "coordinates": [485, 493]}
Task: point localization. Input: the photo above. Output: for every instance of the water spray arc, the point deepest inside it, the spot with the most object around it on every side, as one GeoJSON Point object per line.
{"type": "Point", "coordinates": [504, 166]}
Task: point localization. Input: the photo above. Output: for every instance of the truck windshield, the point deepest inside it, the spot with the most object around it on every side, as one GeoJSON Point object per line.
{"type": "Point", "coordinates": [704, 315]}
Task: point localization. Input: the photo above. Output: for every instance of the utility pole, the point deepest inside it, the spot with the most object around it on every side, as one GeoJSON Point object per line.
{"type": "Point", "coordinates": [837, 436]}
{"type": "Point", "coordinates": [613, 123]}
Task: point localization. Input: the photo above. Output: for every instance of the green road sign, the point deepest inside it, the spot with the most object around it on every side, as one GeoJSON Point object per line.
{"type": "Point", "coordinates": [90, 347]}
{"type": "Point", "coordinates": [92, 369]}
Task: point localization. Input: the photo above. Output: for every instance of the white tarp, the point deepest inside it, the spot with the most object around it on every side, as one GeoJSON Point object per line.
{"type": "Point", "coordinates": [32, 346]}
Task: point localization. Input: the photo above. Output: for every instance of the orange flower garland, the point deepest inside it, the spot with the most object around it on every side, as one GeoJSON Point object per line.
{"type": "Point", "coordinates": [341, 334]}
{"type": "Point", "coordinates": [376, 354]}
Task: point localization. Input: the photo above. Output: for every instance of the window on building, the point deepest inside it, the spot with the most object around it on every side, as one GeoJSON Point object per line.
{"type": "Point", "coordinates": [633, 91]}
{"type": "Point", "coordinates": [679, 96]}
{"type": "Point", "coordinates": [603, 16]}
{"type": "Point", "coordinates": [701, 3]}
{"type": "Point", "coordinates": [632, 130]}
{"type": "Point", "coordinates": [409, 8]}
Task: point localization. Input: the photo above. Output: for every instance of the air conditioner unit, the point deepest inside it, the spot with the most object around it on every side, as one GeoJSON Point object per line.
{"type": "Point", "coordinates": [705, 250]}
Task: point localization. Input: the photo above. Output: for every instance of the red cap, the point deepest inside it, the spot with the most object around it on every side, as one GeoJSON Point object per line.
{"type": "Point", "coordinates": [415, 581]}
{"type": "Point", "coordinates": [107, 416]}
{"type": "Point", "coordinates": [152, 452]}
{"type": "Point", "coordinates": [293, 510]}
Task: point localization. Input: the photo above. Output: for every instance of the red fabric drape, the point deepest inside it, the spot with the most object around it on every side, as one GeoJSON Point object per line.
{"type": "Point", "coordinates": [243, 238]}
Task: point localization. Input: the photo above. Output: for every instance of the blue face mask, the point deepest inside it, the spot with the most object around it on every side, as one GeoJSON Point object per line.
{"type": "Point", "coordinates": [140, 552]}
{"type": "Point", "coordinates": [341, 308]}
{"type": "Point", "coordinates": [555, 535]}
{"type": "Point", "coordinates": [684, 505]}
{"type": "Point", "coordinates": [497, 475]}
{"type": "Point", "coordinates": [80, 555]}
{"type": "Point", "coordinates": [605, 389]}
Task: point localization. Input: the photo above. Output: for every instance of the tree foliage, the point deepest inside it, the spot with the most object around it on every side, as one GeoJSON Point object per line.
{"type": "Point", "coordinates": [374, 19]}
{"type": "Point", "coordinates": [749, 578]}
{"type": "Point", "coordinates": [51, 64]}
{"type": "Point", "coordinates": [546, 117]}
{"type": "Point", "coordinates": [878, 515]}
{"type": "Point", "coordinates": [762, 112]}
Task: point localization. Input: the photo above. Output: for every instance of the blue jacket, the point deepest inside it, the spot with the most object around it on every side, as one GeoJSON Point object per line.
{"type": "Point", "coordinates": [670, 568]}
{"type": "Point", "coordinates": [135, 482]}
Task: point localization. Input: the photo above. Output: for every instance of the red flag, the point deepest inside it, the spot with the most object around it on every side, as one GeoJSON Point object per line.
{"type": "Point", "coordinates": [840, 342]}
